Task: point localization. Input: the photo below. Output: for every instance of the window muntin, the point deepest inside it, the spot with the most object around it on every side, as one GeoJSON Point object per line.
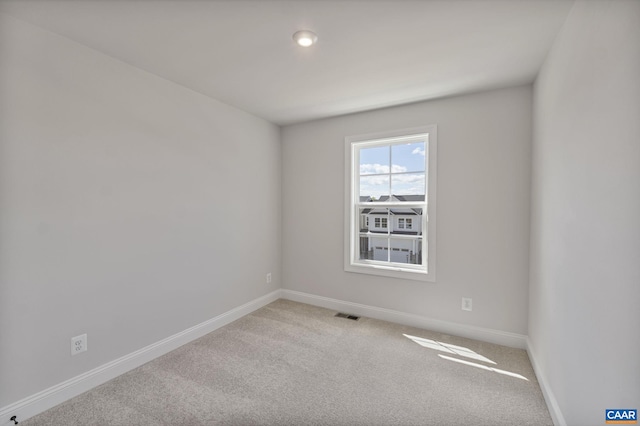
{"type": "Point", "coordinates": [392, 180]}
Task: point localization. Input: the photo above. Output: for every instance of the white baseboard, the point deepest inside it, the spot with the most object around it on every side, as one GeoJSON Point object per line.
{"type": "Point", "coordinates": [48, 398]}
{"type": "Point", "coordinates": [513, 340]}
{"type": "Point", "coordinates": [549, 397]}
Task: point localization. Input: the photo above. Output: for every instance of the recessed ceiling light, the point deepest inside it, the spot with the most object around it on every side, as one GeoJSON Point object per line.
{"type": "Point", "coordinates": [305, 38]}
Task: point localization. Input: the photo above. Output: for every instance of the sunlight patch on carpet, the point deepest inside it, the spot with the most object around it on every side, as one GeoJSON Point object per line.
{"type": "Point", "coordinates": [448, 348]}
{"type": "Point", "coordinates": [484, 367]}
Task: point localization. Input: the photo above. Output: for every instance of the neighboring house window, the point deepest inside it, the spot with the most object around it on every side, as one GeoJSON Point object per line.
{"type": "Point", "coordinates": [404, 223]}
{"type": "Point", "coordinates": [380, 222]}
{"type": "Point", "coordinates": [387, 176]}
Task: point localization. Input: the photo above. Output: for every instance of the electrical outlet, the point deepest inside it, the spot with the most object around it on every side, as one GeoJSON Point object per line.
{"type": "Point", "coordinates": [269, 278]}
{"type": "Point", "coordinates": [78, 344]}
{"type": "Point", "coordinates": [467, 304]}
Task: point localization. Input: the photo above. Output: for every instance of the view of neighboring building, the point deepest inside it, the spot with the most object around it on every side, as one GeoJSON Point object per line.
{"type": "Point", "coordinates": [391, 234]}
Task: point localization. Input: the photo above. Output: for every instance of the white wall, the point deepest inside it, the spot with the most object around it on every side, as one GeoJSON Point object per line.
{"type": "Point", "coordinates": [483, 210]}
{"type": "Point", "coordinates": [124, 199]}
{"type": "Point", "coordinates": [584, 321]}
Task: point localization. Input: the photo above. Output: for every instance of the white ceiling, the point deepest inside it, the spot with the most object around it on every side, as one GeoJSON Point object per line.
{"type": "Point", "coordinates": [370, 54]}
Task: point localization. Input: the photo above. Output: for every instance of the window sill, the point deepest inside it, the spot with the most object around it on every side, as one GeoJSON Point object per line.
{"type": "Point", "coordinates": [390, 271]}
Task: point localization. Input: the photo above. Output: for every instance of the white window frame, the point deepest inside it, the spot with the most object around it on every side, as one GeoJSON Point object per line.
{"type": "Point", "coordinates": [352, 263]}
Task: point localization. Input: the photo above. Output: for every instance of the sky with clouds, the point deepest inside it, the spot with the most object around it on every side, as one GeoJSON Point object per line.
{"type": "Point", "coordinates": [396, 169]}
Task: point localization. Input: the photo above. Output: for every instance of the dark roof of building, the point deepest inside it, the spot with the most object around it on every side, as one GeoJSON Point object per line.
{"type": "Point", "coordinates": [373, 231]}
{"type": "Point", "coordinates": [394, 211]}
{"type": "Point", "coordinates": [383, 198]}
{"type": "Point", "coordinates": [415, 197]}
{"type": "Point", "coordinates": [382, 211]}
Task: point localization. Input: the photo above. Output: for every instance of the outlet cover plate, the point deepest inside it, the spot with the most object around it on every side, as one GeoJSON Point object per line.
{"type": "Point", "coordinates": [78, 344]}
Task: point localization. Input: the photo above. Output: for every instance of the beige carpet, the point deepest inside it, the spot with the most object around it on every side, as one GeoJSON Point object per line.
{"type": "Point", "coordinates": [295, 364]}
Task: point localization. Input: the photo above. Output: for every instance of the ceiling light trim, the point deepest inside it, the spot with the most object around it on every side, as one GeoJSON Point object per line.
{"type": "Point", "coordinates": [305, 38]}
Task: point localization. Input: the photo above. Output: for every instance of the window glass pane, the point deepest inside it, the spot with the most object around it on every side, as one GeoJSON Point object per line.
{"type": "Point", "coordinates": [408, 157]}
{"type": "Point", "coordinates": [408, 184]}
{"type": "Point", "coordinates": [374, 187]}
{"type": "Point", "coordinates": [374, 160]}
{"type": "Point", "coordinates": [366, 251]}
{"type": "Point", "coordinates": [380, 248]}
{"type": "Point", "coordinates": [406, 250]}
{"type": "Point", "coordinates": [365, 219]}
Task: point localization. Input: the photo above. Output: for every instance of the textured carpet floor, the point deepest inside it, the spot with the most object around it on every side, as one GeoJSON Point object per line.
{"type": "Point", "coordinates": [295, 364]}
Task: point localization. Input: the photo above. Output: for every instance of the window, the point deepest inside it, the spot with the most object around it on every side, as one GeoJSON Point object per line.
{"type": "Point", "coordinates": [404, 223]}
{"type": "Point", "coordinates": [391, 178]}
{"type": "Point", "coordinates": [380, 222]}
